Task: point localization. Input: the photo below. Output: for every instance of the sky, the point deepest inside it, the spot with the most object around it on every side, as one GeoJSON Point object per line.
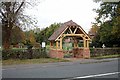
{"type": "Point", "coordinates": [48, 12]}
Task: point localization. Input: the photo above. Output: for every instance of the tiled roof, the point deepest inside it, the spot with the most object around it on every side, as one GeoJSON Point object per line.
{"type": "Point", "coordinates": [56, 34]}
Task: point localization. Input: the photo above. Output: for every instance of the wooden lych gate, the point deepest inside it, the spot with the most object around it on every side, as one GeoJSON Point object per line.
{"type": "Point", "coordinates": [76, 34]}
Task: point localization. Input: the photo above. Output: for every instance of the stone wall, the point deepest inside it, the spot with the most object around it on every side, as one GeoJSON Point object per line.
{"type": "Point", "coordinates": [77, 53]}
{"type": "Point", "coordinates": [81, 52]}
{"type": "Point", "coordinates": [86, 53]}
{"type": "Point", "coordinates": [106, 51]}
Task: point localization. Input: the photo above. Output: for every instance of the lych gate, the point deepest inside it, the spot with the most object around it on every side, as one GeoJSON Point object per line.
{"type": "Point", "coordinates": [74, 34]}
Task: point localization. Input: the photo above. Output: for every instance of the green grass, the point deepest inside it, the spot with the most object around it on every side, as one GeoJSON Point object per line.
{"type": "Point", "coordinates": [32, 61]}
{"type": "Point", "coordinates": [95, 62]}
{"type": "Point", "coordinates": [107, 56]}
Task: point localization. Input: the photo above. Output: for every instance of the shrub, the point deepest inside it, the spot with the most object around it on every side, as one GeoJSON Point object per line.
{"type": "Point", "coordinates": [23, 54]}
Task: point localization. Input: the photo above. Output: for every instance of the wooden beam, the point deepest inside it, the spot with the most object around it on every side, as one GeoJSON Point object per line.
{"type": "Point", "coordinates": [57, 40]}
{"type": "Point", "coordinates": [75, 43]}
{"type": "Point", "coordinates": [87, 43]}
{"type": "Point", "coordinates": [73, 35]}
{"type": "Point", "coordinates": [84, 32]}
{"type": "Point", "coordinates": [51, 44]}
{"type": "Point", "coordinates": [56, 44]}
{"type": "Point", "coordinates": [61, 43]}
{"type": "Point", "coordinates": [75, 30]}
{"type": "Point", "coordinates": [84, 43]}
{"type": "Point", "coordinates": [70, 30]}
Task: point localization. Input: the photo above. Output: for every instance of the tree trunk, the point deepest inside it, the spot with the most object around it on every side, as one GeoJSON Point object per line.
{"type": "Point", "coordinates": [6, 34]}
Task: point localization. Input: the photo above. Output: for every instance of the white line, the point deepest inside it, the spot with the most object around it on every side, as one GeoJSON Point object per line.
{"type": "Point", "coordinates": [97, 75]}
{"type": "Point", "coordinates": [90, 76]}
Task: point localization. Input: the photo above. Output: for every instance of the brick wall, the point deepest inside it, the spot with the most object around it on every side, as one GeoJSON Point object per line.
{"type": "Point", "coordinates": [81, 52]}
{"type": "Point", "coordinates": [53, 53]}
{"type": "Point", "coordinates": [86, 53]}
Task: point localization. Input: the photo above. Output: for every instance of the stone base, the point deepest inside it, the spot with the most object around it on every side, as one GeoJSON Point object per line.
{"type": "Point", "coordinates": [53, 53]}
{"type": "Point", "coordinates": [77, 53]}
{"type": "Point", "coordinates": [86, 53]}
{"type": "Point", "coordinates": [81, 53]}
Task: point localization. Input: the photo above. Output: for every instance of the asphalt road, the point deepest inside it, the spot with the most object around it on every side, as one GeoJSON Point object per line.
{"type": "Point", "coordinates": [67, 70]}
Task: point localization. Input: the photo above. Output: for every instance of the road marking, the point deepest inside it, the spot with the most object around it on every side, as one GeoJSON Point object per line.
{"type": "Point", "coordinates": [97, 75]}
{"type": "Point", "coordinates": [90, 76]}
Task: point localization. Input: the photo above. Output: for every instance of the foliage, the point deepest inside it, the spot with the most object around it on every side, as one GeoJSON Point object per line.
{"type": "Point", "coordinates": [12, 15]}
{"type": "Point", "coordinates": [22, 54]}
{"type": "Point", "coordinates": [109, 20]}
{"type": "Point", "coordinates": [30, 40]}
{"type": "Point", "coordinates": [93, 32]}
{"type": "Point", "coordinates": [45, 33]}
{"type": "Point", "coordinates": [68, 55]}
{"type": "Point", "coordinates": [17, 38]}
{"type": "Point", "coordinates": [94, 29]}
{"type": "Point", "coordinates": [108, 10]}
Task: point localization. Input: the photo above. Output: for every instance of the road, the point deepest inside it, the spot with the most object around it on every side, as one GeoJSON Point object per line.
{"type": "Point", "coordinates": [66, 70]}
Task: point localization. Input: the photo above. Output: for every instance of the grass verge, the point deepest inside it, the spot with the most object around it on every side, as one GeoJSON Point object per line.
{"type": "Point", "coordinates": [32, 61]}
{"type": "Point", "coordinates": [95, 62]}
{"type": "Point", "coordinates": [107, 56]}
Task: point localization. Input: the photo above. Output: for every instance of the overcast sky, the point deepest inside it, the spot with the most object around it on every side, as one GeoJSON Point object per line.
{"type": "Point", "coordinates": [48, 12]}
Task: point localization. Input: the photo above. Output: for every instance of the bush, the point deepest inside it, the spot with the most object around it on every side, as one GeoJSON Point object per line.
{"type": "Point", "coordinates": [22, 54]}
{"type": "Point", "coordinates": [68, 55]}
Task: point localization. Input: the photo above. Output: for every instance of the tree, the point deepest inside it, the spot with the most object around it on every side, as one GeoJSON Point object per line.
{"type": "Point", "coordinates": [93, 30]}
{"type": "Point", "coordinates": [32, 37]}
{"type": "Point", "coordinates": [17, 38]}
{"type": "Point", "coordinates": [109, 20]}
{"type": "Point", "coordinates": [52, 28]}
{"type": "Point", "coordinates": [93, 33]}
{"type": "Point", "coordinates": [46, 32]}
{"type": "Point", "coordinates": [108, 10]}
{"type": "Point", "coordinates": [11, 14]}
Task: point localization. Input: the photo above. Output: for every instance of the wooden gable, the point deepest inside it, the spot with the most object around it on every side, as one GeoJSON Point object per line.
{"type": "Point", "coordinates": [69, 28]}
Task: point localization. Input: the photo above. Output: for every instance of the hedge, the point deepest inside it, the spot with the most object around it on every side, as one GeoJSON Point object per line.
{"type": "Point", "coordinates": [23, 54]}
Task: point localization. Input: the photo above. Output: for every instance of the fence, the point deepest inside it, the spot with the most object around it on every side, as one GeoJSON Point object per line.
{"type": "Point", "coordinates": [23, 54]}
{"type": "Point", "coordinates": [94, 52]}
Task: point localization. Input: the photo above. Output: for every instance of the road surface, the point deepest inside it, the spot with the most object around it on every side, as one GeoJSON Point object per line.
{"type": "Point", "coordinates": [66, 70]}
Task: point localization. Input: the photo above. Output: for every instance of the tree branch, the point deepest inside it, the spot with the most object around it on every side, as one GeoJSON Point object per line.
{"type": "Point", "coordinates": [3, 14]}
{"type": "Point", "coordinates": [19, 8]}
{"type": "Point", "coordinates": [13, 6]}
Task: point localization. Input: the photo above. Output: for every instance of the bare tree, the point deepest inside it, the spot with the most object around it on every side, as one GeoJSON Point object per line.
{"type": "Point", "coordinates": [11, 15]}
